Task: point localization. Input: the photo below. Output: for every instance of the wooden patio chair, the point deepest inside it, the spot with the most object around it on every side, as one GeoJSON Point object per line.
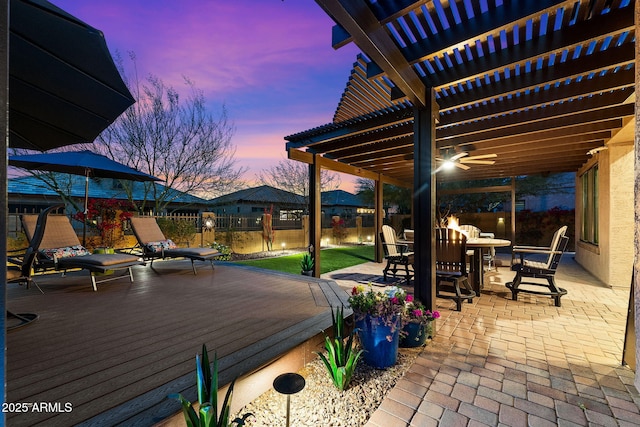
{"type": "Point", "coordinates": [532, 269]}
{"type": "Point", "coordinates": [451, 267]}
{"type": "Point", "coordinates": [153, 244]}
{"type": "Point", "coordinates": [473, 232]}
{"type": "Point", "coordinates": [60, 249]}
{"type": "Point", "coordinates": [398, 256]}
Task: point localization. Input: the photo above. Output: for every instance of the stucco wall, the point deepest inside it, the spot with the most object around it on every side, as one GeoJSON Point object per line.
{"type": "Point", "coordinates": [612, 259]}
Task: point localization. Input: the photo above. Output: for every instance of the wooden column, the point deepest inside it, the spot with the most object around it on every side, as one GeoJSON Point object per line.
{"type": "Point", "coordinates": [513, 210]}
{"type": "Point", "coordinates": [378, 218]}
{"type": "Point", "coordinates": [424, 196]}
{"type": "Point", "coordinates": [315, 213]}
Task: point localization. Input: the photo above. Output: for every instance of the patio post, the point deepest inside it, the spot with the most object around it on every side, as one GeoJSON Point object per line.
{"type": "Point", "coordinates": [315, 214]}
{"type": "Point", "coordinates": [424, 196]}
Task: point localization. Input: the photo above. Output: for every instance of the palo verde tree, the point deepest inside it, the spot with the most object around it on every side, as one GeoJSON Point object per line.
{"type": "Point", "coordinates": [174, 138]}
{"type": "Point", "coordinates": [293, 176]}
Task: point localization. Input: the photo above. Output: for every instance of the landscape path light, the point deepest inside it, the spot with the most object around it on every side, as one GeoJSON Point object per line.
{"type": "Point", "coordinates": [289, 383]}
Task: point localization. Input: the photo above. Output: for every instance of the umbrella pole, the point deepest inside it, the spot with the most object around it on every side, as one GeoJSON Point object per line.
{"type": "Point", "coordinates": [86, 209]}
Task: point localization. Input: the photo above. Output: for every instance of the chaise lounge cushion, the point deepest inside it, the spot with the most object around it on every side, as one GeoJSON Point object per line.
{"type": "Point", "coordinates": [204, 253]}
{"type": "Point", "coordinates": [100, 260]}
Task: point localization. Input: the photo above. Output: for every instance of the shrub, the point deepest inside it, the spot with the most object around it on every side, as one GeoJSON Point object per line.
{"type": "Point", "coordinates": [223, 249]}
{"type": "Point", "coordinates": [180, 231]}
{"type": "Point", "coordinates": [207, 383]}
{"type": "Point", "coordinates": [341, 358]}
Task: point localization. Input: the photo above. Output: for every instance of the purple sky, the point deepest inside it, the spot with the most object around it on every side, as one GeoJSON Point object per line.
{"type": "Point", "coordinates": [270, 61]}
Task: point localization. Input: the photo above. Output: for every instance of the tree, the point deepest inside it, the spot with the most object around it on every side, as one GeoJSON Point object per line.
{"type": "Point", "coordinates": [527, 185]}
{"type": "Point", "coordinates": [293, 176]}
{"type": "Point", "coordinates": [175, 139]}
{"type": "Point", "coordinates": [400, 197]}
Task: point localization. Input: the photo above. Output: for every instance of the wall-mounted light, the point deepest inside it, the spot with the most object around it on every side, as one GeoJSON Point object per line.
{"type": "Point", "coordinates": [207, 225]}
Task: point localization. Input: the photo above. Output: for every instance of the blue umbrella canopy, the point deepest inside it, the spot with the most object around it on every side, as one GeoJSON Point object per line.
{"type": "Point", "coordinates": [85, 163]}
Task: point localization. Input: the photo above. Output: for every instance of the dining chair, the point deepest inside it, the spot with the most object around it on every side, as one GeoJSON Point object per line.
{"type": "Point", "coordinates": [452, 281]}
{"type": "Point", "coordinates": [398, 256]}
{"type": "Point", "coordinates": [530, 268]}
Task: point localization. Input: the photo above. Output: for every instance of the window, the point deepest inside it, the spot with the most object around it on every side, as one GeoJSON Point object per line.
{"type": "Point", "coordinates": [290, 214]}
{"type": "Point", "coordinates": [590, 214]}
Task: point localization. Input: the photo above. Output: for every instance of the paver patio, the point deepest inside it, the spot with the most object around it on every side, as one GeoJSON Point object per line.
{"type": "Point", "coordinates": [518, 363]}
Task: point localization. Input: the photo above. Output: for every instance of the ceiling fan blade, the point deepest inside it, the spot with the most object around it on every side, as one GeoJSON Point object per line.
{"type": "Point", "coordinates": [459, 155]}
{"type": "Point", "coordinates": [479, 162]}
{"type": "Point", "coordinates": [461, 166]}
{"type": "Point", "coordinates": [481, 156]}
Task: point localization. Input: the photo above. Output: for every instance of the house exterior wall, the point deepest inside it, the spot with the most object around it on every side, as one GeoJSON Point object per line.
{"type": "Point", "coordinates": [611, 260]}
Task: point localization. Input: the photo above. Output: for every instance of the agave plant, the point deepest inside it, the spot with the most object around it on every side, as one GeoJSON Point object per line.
{"type": "Point", "coordinates": [341, 358]}
{"type": "Point", "coordinates": [207, 384]}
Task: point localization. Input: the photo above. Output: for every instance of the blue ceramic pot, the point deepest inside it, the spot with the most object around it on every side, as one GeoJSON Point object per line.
{"type": "Point", "coordinates": [380, 342]}
{"type": "Point", "coordinates": [414, 335]}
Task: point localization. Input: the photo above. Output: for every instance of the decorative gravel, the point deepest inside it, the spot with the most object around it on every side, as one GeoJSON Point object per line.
{"type": "Point", "coordinates": [320, 403]}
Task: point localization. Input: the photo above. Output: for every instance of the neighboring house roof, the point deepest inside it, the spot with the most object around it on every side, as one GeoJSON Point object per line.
{"type": "Point", "coordinates": [341, 198]}
{"type": "Point", "coordinates": [261, 194]}
{"type": "Point", "coordinates": [99, 188]}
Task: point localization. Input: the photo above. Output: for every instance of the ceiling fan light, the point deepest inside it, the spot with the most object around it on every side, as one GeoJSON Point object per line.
{"type": "Point", "coordinates": [448, 165]}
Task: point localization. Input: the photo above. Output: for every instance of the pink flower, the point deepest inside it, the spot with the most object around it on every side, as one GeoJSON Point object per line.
{"type": "Point", "coordinates": [409, 298]}
{"type": "Point", "coordinates": [417, 313]}
{"type": "Point", "coordinates": [394, 300]}
{"type": "Point", "coordinates": [354, 291]}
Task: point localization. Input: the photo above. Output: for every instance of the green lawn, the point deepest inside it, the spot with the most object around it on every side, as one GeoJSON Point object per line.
{"type": "Point", "coordinates": [332, 259]}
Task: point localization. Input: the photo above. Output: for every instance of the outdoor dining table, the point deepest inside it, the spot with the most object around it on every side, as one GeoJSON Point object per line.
{"type": "Point", "coordinates": [477, 244]}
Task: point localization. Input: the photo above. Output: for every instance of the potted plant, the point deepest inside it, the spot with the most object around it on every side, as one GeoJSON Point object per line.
{"type": "Point", "coordinates": [306, 264]}
{"type": "Point", "coordinates": [379, 320]}
{"type": "Point", "coordinates": [417, 323]}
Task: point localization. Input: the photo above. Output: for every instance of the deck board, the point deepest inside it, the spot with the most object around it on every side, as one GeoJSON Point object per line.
{"type": "Point", "coordinates": [124, 345]}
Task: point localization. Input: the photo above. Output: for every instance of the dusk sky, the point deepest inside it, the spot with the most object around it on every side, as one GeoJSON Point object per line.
{"type": "Point", "coordinates": [269, 61]}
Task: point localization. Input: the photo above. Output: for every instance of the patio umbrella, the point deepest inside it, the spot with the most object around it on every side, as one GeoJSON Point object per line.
{"type": "Point", "coordinates": [64, 87]}
{"type": "Point", "coordinates": [86, 163]}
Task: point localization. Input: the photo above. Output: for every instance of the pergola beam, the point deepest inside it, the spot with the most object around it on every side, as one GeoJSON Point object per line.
{"type": "Point", "coordinates": [369, 36]}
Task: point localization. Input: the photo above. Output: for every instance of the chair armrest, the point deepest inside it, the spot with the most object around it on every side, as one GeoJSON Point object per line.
{"type": "Point", "coordinates": [519, 247]}
{"type": "Point", "coordinates": [534, 251]}
{"type": "Point", "coordinates": [402, 248]}
{"type": "Point", "coordinates": [489, 235]}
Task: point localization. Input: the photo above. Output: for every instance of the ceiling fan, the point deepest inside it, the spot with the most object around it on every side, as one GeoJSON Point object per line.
{"type": "Point", "coordinates": [451, 159]}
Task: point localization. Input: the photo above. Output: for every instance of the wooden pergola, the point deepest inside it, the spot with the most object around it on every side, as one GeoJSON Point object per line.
{"type": "Point", "coordinates": [538, 83]}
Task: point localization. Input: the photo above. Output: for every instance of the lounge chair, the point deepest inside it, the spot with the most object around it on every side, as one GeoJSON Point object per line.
{"type": "Point", "coordinates": [397, 254]}
{"type": "Point", "coordinates": [20, 269]}
{"type": "Point", "coordinates": [22, 262]}
{"type": "Point", "coordinates": [531, 269]}
{"type": "Point", "coordinates": [154, 244]}
{"type": "Point", "coordinates": [451, 267]}
{"type": "Point", "coordinates": [60, 249]}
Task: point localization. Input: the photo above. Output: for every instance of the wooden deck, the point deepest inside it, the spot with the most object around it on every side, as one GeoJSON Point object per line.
{"type": "Point", "coordinates": [116, 354]}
